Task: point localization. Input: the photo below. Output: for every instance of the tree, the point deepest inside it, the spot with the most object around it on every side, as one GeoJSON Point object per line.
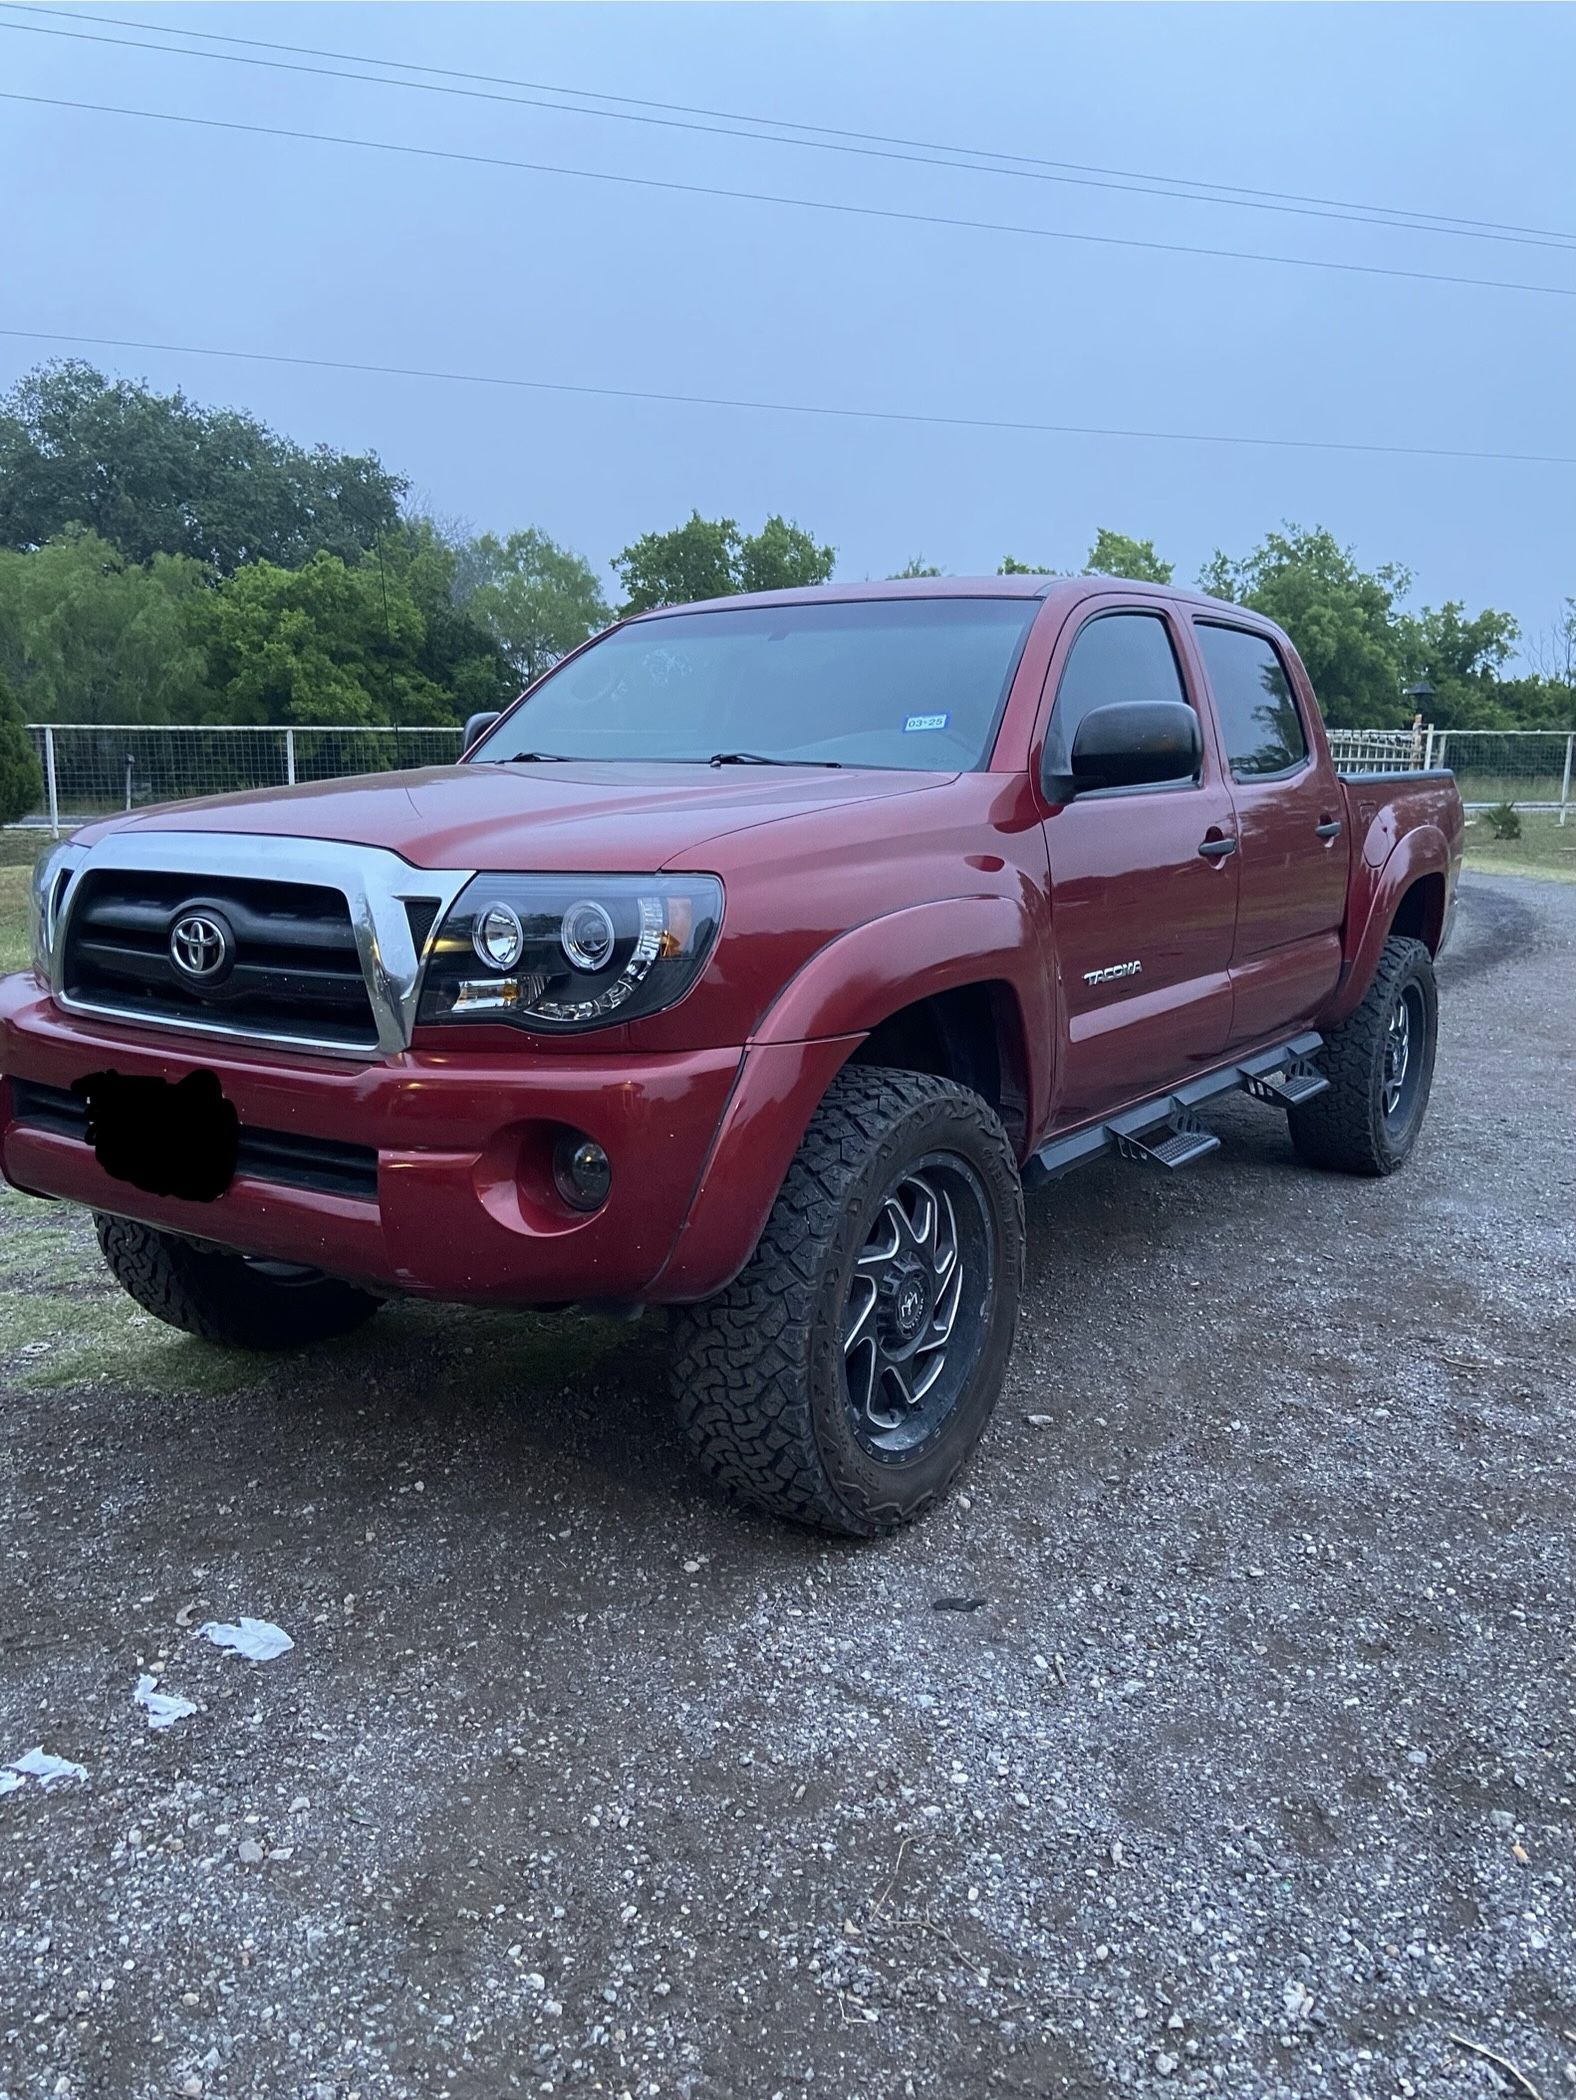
{"type": "Point", "coordinates": [86, 636]}
{"type": "Point", "coordinates": [782, 557]}
{"type": "Point", "coordinates": [21, 781]}
{"type": "Point", "coordinates": [459, 651]}
{"type": "Point", "coordinates": [536, 599]}
{"type": "Point", "coordinates": [915, 567]}
{"type": "Point", "coordinates": [1342, 619]}
{"type": "Point", "coordinates": [325, 643]}
{"type": "Point", "coordinates": [711, 558]}
{"type": "Point", "coordinates": [157, 474]}
{"type": "Point", "coordinates": [695, 560]}
{"type": "Point", "coordinates": [1114, 554]}
{"type": "Point", "coordinates": [1463, 657]}
{"type": "Point", "coordinates": [1012, 567]}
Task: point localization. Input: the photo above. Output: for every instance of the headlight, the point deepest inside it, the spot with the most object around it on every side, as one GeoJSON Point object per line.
{"type": "Point", "coordinates": [561, 953]}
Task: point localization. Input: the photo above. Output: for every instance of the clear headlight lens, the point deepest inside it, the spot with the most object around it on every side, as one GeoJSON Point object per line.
{"type": "Point", "coordinates": [562, 953]}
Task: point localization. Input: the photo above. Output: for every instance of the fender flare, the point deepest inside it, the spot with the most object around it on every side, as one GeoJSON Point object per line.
{"type": "Point", "coordinates": [1376, 893]}
{"type": "Point", "coordinates": [860, 978]}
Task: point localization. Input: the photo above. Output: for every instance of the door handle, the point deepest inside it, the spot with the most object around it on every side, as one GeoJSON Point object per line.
{"type": "Point", "coordinates": [1218, 849]}
{"type": "Point", "coordinates": [1329, 829]}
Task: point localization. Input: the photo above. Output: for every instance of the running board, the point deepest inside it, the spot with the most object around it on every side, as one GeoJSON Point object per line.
{"type": "Point", "coordinates": [1165, 1132]}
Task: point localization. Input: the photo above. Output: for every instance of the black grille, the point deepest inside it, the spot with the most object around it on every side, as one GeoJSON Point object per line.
{"type": "Point", "coordinates": [264, 1155]}
{"type": "Point", "coordinates": [292, 969]}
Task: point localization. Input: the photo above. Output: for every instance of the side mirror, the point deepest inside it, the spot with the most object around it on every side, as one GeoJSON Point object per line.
{"type": "Point", "coordinates": [1136, 743]}
{"type": "Point", "coordinates": [477, 727]}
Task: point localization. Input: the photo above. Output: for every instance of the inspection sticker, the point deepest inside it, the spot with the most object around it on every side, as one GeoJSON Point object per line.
{"type": "Point", "coordinates": [925, 722]}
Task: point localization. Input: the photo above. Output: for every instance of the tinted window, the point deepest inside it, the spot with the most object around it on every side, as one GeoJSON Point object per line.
{"type": "Point", "coordinates": [913, 683]}
{"type": "Point", "coordinates": [1259, 723]}
{"type": "Point", "coordinates": [1123, 656]}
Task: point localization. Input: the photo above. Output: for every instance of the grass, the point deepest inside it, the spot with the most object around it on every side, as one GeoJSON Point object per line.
{"type": "Point", "coordinates": [1546, 847]}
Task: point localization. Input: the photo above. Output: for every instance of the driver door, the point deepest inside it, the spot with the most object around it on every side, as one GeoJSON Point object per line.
{"type": "Point", "coordinates": [1143, 879]}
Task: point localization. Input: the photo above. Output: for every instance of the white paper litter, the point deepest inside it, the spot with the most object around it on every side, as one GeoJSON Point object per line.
{"type": "Point", "coordinates": [48, 1770]}
{"type": "Point", "coordinates": [164, 1709]}
{"type": "Point", "coordinates": [254, 1638]}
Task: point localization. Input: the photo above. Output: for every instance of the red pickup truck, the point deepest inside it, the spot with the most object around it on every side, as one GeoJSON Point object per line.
{"type": "Point", "coordinates": [750, 965]}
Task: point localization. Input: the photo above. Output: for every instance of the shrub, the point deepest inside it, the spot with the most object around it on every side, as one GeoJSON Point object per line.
{"type": "Point", "coordinates": [1503, 820]}
{"type": "Point", "coordinates": [21, 782]}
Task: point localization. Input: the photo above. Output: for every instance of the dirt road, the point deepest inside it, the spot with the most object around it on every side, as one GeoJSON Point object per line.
{"type": "Point", "coordinates": [1249, 1773]}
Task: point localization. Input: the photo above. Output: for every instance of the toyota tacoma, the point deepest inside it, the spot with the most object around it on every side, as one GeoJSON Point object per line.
{"type": "Point", "coordinates": [751, 966]}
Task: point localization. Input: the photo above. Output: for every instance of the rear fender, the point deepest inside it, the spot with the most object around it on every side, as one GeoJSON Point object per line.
{"type": "Point", "coordinates": [1372, 901]}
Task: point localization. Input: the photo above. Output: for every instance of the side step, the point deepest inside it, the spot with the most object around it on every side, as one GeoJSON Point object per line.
{"type": "Point", "coordinates": [1164, 1131]}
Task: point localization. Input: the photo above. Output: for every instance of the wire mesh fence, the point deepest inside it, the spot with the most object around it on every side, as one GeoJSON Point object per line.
{"type": "Point", "coordinates": [98, 769]}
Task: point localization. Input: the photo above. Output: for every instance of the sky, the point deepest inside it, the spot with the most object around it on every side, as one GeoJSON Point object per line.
{"type": "Point", "coordinates": [122, 227]}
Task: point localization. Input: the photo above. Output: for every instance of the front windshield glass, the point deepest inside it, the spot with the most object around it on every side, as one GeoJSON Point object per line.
{"type": "Point", "coordinates": [917, 683]}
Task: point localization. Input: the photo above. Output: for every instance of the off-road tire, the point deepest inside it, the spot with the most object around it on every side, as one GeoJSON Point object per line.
{"type": "Point", "coordinates": [222, 1297]}
{"type": "Point", "coordinates": [1346, 1128]}
{"type": "Point", "coordinates": [758, 1371]}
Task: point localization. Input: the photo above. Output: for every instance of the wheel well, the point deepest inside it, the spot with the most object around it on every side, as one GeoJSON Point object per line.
{"type": "Point", "coordinates": [973, 1035]}
{"type": "Point", "coordinates": [1421, 912]}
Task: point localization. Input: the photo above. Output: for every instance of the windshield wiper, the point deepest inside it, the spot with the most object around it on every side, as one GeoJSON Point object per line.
{"type": "Point", "coordinates": [535, 758]}
{"type": "Point", "coordinates": [756, 758]}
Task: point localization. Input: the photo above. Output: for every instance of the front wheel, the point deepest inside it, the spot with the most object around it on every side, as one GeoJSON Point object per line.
{"type": "Point", "coordinates": [846, 1375]}
{"type": "Point", "coordinates": [1380, 1065]}
{"type": "Point", "coordinates": [236, 1299]}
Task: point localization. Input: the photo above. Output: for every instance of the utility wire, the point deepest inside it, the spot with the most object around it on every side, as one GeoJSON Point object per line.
{"type": "Point", "coordinates": [984, 160]}
{"type": "Point", "coordinates": [1116, 182]}
{"type": "Point", "coordinates": [887, 214]}
{"type": "Point", "coordinates": [787, 408]}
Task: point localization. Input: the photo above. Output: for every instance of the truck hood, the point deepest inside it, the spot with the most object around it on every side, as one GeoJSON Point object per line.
{"type": "Point", "coordinates": [608, 818]}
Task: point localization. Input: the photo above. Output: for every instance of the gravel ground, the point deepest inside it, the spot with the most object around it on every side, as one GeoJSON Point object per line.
{"type": "Point", "coordinates": [1250, 1774]}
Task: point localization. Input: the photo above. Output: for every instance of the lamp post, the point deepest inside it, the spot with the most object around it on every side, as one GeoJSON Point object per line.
{"type": "Point", "coordinates": [1420, 693]}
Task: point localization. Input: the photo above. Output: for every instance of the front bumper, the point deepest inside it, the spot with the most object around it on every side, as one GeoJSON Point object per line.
{"type": "Point", "coordinates": [464, 1205]}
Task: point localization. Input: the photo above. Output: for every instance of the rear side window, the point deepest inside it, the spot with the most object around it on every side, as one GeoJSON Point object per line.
{"type": "Point", "coordinates": [1260, 725]}
{"type": "Point", "coordinates": [1120, 656]}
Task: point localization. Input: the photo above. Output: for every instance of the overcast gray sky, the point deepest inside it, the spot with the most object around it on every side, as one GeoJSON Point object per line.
{"type": "Point", "coordinates": [123, 227]}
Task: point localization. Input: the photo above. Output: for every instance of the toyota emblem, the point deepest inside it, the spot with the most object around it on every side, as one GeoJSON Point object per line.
{"type": "Point", "coordinates": [201, 946]}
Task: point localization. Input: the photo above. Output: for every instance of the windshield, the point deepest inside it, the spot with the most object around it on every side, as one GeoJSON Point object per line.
{"type": "Point", "coordinates": [916, 683]}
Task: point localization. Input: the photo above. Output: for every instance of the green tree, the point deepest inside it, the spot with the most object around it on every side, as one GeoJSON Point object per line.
{"type": "Point", "coordinates": [325, 643]}
{"type": "Point", "coordinates": [536, 599]}
{"type": "Point", "coordinates": [1463, 656]}
{"type": "Point", "coordinates": [1114, 554]}
{"type": "Point", "coordinates": [21, 781]}
{"type": "Point", "coordinates": [86, 636]}
{"type": "Point", "coordinates": [915, 567]}
{"type": "Point", "coordinates": [698, 559]}
{"type": "Point", "coordinates": [158, 474]}
{"type": "Point", "coordinates": [711, 558]}
{"type": "Point", "coordinates": [1010, 566]}
{"type": "Point", "coordinates": [782, 557]}
{"type": "Point", "coordinates": [459, 650]}
{"type": "Point", "coordinates": [1344, 620]}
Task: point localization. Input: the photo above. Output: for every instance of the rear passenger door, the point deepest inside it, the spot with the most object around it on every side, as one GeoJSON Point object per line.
{"type": "Point", "coordinates": [1292, 850]}
{"type": "Point", "coordinates": [1143, 879]}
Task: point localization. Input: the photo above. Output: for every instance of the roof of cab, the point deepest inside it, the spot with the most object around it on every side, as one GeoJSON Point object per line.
{"type": "Point", "coordinates": [1066, 588]}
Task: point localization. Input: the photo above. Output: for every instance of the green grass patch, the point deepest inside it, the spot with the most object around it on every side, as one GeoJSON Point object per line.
{"type": "Point", "coordinates": [14, 885]}
{"type": "Point", "coordinates": [1546, 847]}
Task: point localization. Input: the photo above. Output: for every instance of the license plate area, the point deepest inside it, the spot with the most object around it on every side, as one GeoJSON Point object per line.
{"type": "Point", "coordinates": [165, 1137]}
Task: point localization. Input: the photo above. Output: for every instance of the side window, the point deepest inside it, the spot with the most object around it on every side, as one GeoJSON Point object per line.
{"type": "Point", "coordinates": [1117, 656]}
{"type": "Point", "coordinates": [1260, 725]}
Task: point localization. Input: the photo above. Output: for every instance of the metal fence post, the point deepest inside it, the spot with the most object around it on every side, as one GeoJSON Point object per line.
{"type": "Point", "coordinates": [49, 775]}
{"type": "Point", "coordinates": [1439, 753]}
{"type": "Point", "coordinates": [1428, 749]}
{"type": "Point", "coordinates": [1565, 784]}
{"type": "Point", "coordinates": [290, 779]}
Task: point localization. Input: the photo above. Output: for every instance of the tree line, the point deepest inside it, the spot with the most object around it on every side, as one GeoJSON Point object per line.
{"type": "Point", "coordinates": [163, 561]}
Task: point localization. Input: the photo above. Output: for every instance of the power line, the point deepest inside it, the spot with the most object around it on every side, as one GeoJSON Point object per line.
{"type": "Point", "coordinates": [817, 204]}
{"type": "Point", "coordinates": [1115, 181]}
{"type": "Point", "coordinates": [787, 408]}
{"type": "Point", "coordinates": [980, 159]}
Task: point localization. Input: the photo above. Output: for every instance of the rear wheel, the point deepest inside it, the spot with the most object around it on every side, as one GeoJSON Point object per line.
{"type": "Point", "coordinates": [1380, 1065]}
{"type": "Point", "coordinates": [845, 1377]}
{"type": "Point", "coordinates": [238, 1299]}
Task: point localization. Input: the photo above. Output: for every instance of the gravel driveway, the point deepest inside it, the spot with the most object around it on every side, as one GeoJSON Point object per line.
{"type": "Point", "coordinates": [1248, 1772]}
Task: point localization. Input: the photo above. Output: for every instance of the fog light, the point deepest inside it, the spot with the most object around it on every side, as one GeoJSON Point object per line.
{"type": "Point", "coordinates": [582, 1171]}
